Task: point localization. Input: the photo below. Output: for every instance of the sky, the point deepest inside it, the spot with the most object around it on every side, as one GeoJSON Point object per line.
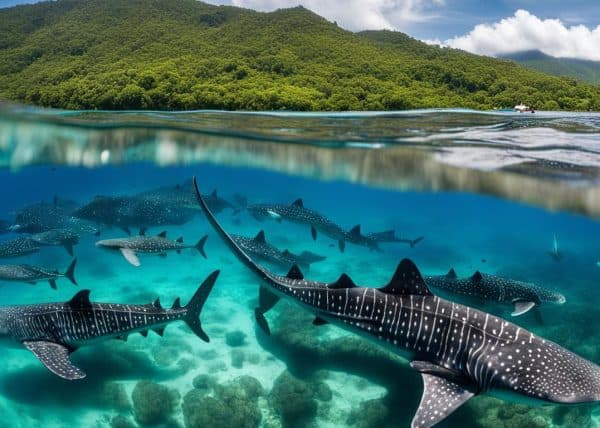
{"type": "Point", "coordinates": [561, 28]}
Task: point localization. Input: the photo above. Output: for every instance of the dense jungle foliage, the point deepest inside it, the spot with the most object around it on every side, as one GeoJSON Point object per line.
{"type": "Point", "coordinates": [184, 54]}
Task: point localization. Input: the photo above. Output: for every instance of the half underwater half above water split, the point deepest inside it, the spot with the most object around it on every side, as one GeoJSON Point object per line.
{"type": "Point", "coordinates": [498, 212]}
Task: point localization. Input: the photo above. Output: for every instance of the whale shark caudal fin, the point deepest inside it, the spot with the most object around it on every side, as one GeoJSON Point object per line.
{"type": "Point", "coordinates": [56, 358]}
{"type": "Point", "coordinates": [200, 246]}
{"type": "Point", "coordinates": [69, 248]}
{"type": "Point", "coordinates": [416, 241]}
{"type": "Point", "coordinates": [521, 307]}
{"type": "Point", "coordinates": [130, 256]}
{"type": "Point", "coordinates": [194, 307]}
{"type": "Point", "coordinates": [70, 273]}
{"type": "Point", "coordinates": [443, 393]}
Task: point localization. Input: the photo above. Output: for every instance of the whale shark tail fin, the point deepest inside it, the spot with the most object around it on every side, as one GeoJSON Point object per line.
{"type": "Point", "coordinates": [416, 241]}
{"type": "Point", "coordinates": [70, 272]}
{"type": "Point", "coordinates": [200, 246]}
{"type": "Point", "coordinates": [195, 305]}
{"type": "Point", "coordinates": [307, 258]}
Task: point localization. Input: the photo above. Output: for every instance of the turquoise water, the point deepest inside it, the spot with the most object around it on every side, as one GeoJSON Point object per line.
{"type": "Point", "coordinates": [487, 191]}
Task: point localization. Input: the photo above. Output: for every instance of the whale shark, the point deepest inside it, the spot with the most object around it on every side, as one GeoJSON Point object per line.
{"type": "Point", "coordinates": [32, 274]}
{"type": "Point", "coordinates": [57, 237]}
{"type": "Point", "coordinates": [261, 249]}
{"type": "Point", "coordinates": [459, 351]}
{"type": "Point", "coordinates": [45, 216]}
{"type": "Point", "coordinates": [17, 247]}
{"type": "Point", "coordinates": [126, 212]}
{"type": "Point", "coordinates": [484, 288]}
{"type": "Point", "coordinates": [390, 236]}
{"type": "Point", "coordinates": [297, 213]}
{"type": "Point", "coordinates": [182, 196]}
{"type": "Point", "coordinates": [159, 244]}
{"type": "Point", "coordinates": [52, 331]}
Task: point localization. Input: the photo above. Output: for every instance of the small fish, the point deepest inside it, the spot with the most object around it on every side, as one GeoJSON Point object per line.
{"type": "Point", "coordinates": [52, 331]}
{"type": "Point", "coordinates": [57, 237]}
{"type": "Point", "coordinates": [159, 244]}
{"type": "Point", "coordinates": [18, 247]}
{"type": "Point", "coordinates": [33, 274]}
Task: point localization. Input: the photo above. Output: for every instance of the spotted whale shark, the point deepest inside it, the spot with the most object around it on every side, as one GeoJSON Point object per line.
{"type": "Point", "coordinates": [483, 288]}
{"type": "Point", "coordinates": [297, 213]}
{"type": "Point", "coordinates": [261, 249]}
{"type": "Point", "coordinates": [459, 351]}
{"type": "Point", "coordinates": [52, 331]}
{"type": "Point", "coordinates": [159, 244]}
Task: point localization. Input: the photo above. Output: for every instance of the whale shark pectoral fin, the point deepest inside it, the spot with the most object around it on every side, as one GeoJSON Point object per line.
{"type": "Point", "coordinates": [441, 397]}
{"type": "Point", "coordinates": [313, 233]}
{"type": "Point", "coordinates": [274, 215]}
{"type": "Point", "coordinates": [56, 358]}
{"type": "Point", "coordinates": [521, 307]}
{"type": "Point", "coordinates": [342, 245]}
{"type": "Point", "coordinates": [130, 256]}
{"type": "Point", "coordinates": [266, 301]}
{"type": "Point", "coordinates": [262, 321]}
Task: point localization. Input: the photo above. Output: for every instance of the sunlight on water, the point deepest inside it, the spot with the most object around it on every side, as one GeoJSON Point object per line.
{"type": "Point", "coordinates": [510, 195]}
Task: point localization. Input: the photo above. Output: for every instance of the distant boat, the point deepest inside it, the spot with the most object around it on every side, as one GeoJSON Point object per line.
{"type": "Point", "coordinates": [522, 108]}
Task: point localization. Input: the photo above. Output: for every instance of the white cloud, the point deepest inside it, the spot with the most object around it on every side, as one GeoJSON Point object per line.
{"type": "Point", "coordinates": [525, 31]}
{"type": "Point", "coordinates": [357, 14]}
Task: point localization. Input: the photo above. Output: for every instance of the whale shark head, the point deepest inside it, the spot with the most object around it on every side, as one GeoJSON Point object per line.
{"type": "Point", "coordinates": [542, 370]}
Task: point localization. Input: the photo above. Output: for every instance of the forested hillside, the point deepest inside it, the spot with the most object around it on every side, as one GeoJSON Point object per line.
{"type": "Point", "coordinates": [184, 54]}
{"type": "Point", "coordinates": [586, 71]}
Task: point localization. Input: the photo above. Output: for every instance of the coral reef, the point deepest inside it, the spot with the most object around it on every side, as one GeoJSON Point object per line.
{"type": "Point", "coordinates": [293, 399]}
{"type": "Point", "coordinates": [153, 403]}
{"type": "Point", "coordinates": [233, 405]}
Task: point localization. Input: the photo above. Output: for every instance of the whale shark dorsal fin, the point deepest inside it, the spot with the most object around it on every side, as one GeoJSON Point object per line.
{"type": "Point", "coordinates": [176, 303]}
{"type": "Point", "coordinates": [80, 300]}
{"type": "Point", "coordinates": [55, 357]}
{"type": "Point", "coordinates": [214, 194]}
{"type": "Point", "coordinates": [451, 273]}
{"type": "Point", "coordinates": [260, 237]}
{"type": "Point", "coordinates": [179, 240]}
{"type": "Point", "coordinates": [441, 396]}
{"type": "Point", "coordinates": [407, 280]}
{"type": "Point", "coordinates": [157, 304]}
{"type": "Point", "coordinates": [295, 273]}
{"type": "Point", "coordinates": [162, 234]}
{"type": "Point", "coordinates": [344, 281]}
{"type": "Point", "coordinates": [286, 252]}
{"type": "Point", "coordinates": [477, 276]}
{"type": "Point", "coordinates": [298, 203]}
{"type": "Point", "coordinates": [355, 231]}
